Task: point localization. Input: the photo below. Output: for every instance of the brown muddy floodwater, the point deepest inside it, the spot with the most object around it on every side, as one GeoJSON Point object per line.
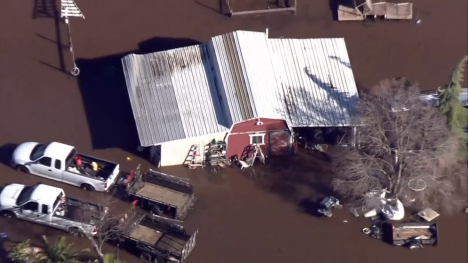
{"type": "Point", "coordinates": [243, 217]}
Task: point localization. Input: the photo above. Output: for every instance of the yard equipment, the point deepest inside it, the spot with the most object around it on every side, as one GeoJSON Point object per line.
{"type": "Point", "coordinates": [215, 156]}
{"type": "Point", "coordinates": [327, 204]}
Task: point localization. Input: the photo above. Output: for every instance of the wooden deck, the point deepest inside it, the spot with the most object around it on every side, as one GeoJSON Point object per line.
{"type": "Point", "coordinates": [162, 194]}
{"type": "Point", "coordinates": [391, 11]}
{"type": "Point", "coordinates": [399, 11]}
{"type": "Point", "coordinates": [146, 234]}
{"type": "Point", "coordinates": [349, 14]}
{"type": "Point", "coordinates": [378, 9]}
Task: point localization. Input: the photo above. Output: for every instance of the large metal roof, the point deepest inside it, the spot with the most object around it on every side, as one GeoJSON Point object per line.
{"type": "Point", "coordinates": [307, 82]}
{"type": "Point", "coordinates": [204, 89]}
{"type": "Point", "coordinates": [173, 95]}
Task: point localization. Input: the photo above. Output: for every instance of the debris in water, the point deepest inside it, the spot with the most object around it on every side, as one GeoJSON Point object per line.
{"type": "Point", "coordinates": [418, 21]}
{"type": "Point", "coordinates": [129, 159]}
{"type": "Point", "coordinates": [345, 221]}
{"type": "Point", "coordinates": [354, 212]}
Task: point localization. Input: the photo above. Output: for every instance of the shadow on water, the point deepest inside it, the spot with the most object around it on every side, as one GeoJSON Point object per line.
{"type": "Point", "coordinates": [105, 97]}
{"type": "Point", "coordinates": [304, 179]}
{"type": "Point", "coordinates": [334, 8]}
{"type": "Point", "coordinates": [6, 152]}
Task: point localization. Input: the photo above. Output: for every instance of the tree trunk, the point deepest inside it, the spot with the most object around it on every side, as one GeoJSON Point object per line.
{"type": "Point", "coordinates": [96, 247]}
{"type": "Point", "coordinates": [397, 183]}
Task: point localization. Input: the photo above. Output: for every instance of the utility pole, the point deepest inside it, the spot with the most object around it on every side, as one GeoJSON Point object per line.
{"type": "Point", "coordinates": [68, 8]}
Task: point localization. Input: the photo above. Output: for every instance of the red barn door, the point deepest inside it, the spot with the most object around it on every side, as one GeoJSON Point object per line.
{"type": "Point", "coordinates": [279, 143]}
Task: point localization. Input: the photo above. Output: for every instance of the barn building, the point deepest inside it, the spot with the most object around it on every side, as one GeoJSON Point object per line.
{"type": "Point", "coordinates": [272, 135]}
{"type": "Point", "coordinates": [223, 89]}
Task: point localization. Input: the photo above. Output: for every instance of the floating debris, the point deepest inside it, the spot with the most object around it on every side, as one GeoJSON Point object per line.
{"type": "Point", "coordinates": [345, 221]}
{"type": "Point", "coordinates": [354, 212]}
{"type": "Point", "coordinates": [418, 21]}
{"type": "Point", "coordinates": [129, 159]}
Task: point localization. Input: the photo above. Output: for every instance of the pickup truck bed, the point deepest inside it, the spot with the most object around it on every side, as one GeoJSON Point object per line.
{"type": "Point", "coordinates": [79, 211]}
{"type": "Point", "coordinates": [105, 167]}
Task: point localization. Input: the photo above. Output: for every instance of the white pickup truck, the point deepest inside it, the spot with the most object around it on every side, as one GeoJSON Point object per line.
{"type": "Point", "coordinates": [61, 162]}
{"type": "Point", "coordinates": [48, 205]}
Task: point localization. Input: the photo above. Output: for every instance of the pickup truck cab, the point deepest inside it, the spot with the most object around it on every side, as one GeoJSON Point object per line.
{"type": "Point", "coordinates": [61, 162]}
{"type": "Point", "coordinates": [48, 205]}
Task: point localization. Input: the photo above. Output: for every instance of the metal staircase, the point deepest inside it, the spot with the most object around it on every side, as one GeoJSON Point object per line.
{"type": "Point", "coordinates": [70, 9]}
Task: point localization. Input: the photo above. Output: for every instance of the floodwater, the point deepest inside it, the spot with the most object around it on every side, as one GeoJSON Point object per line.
{"type": "Point", "coordinates": [241, 216]}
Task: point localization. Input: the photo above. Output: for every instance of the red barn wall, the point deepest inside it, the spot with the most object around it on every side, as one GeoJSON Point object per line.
{"type": "Point", "coordinates": [239, 139]}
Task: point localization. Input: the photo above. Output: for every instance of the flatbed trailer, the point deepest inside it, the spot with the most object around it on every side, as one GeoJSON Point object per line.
{"type": "Point", "coordinates": [159, 240]}
{"type": "Point", "coordinates": [161, 194]}
{"type": "Point", "coordinates": [415, 233]}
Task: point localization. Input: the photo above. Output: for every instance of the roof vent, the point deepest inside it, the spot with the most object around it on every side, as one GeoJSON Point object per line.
{"type": "Point", "coordinates": [259, 122]}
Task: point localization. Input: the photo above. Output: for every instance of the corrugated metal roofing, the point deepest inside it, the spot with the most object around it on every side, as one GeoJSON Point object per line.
{"type": "Point", "coordinates": [246, 75]}
{"type": "Point", "coordinates": [315, 80]}
{"type": "Point", "coordinates": [308, 82]}
{"type": "Point", "coordinates": [173, 94]}
{"type": "Point", "coordinates": [204, 89]}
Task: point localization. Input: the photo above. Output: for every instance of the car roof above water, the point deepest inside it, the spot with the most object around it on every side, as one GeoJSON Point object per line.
{"type": "Point", "coordinates": [45, 194]}
{"type": "Point", "coordinates": [58, 149]}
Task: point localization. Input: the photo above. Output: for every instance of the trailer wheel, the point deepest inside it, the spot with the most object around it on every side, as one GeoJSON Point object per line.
{"type": "Point", "coordinates": [415, 244]}
{"type": "Point", "coordinates": [145, 256]}
{"type": "Point", "coordinates": [155, 209]}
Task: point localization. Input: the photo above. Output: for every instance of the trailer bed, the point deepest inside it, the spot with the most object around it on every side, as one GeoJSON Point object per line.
{"type": "Point", "coordinates": [158, 193]}
{"type": "Point", "coordinates": [163, 236]}
{"type": "Point", "coordinates": [145, 234]}
{"type": "Point", "coordinates": [403, 234]}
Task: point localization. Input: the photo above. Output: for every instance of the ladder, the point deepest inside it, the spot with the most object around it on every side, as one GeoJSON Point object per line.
{"type": "Point", "coordinates": [70, 9]}
{"type": "Point", "coordinates": [258, 153]}
{"type": "Point", "coordinates": [194, 157]}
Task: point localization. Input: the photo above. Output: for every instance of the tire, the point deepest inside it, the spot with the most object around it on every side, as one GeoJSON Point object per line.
{"type": "Point", "coordinates": [74, 231]}
{"type": "Point", "coordinates": [7, 214]}
{"type": "Point", "coordinates": [21, 168]}
{"type": "Point", "coordinates": [145, 256]}
{"type": "Point", "coordinates": [87, 187]}
{"type": "Point", "coordinates": [159, 260]}
{"type": "Point", "coordinates": [155, 209]}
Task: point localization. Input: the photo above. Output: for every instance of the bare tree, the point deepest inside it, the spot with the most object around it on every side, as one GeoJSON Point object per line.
{"type": "Point", "coordinates": [110, 225]}
{"type": "Point", "coordinates": [404, 148]}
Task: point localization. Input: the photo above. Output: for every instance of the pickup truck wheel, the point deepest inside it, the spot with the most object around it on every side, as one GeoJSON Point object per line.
{"type": "Point", "coordinates": [87, 187]}
{"type": "Point", "coordinates": [145, 256]}
{"type": "Point", "coordinates": [22, 169]}
{"type": "Point", "coordinates": [7, 214]}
